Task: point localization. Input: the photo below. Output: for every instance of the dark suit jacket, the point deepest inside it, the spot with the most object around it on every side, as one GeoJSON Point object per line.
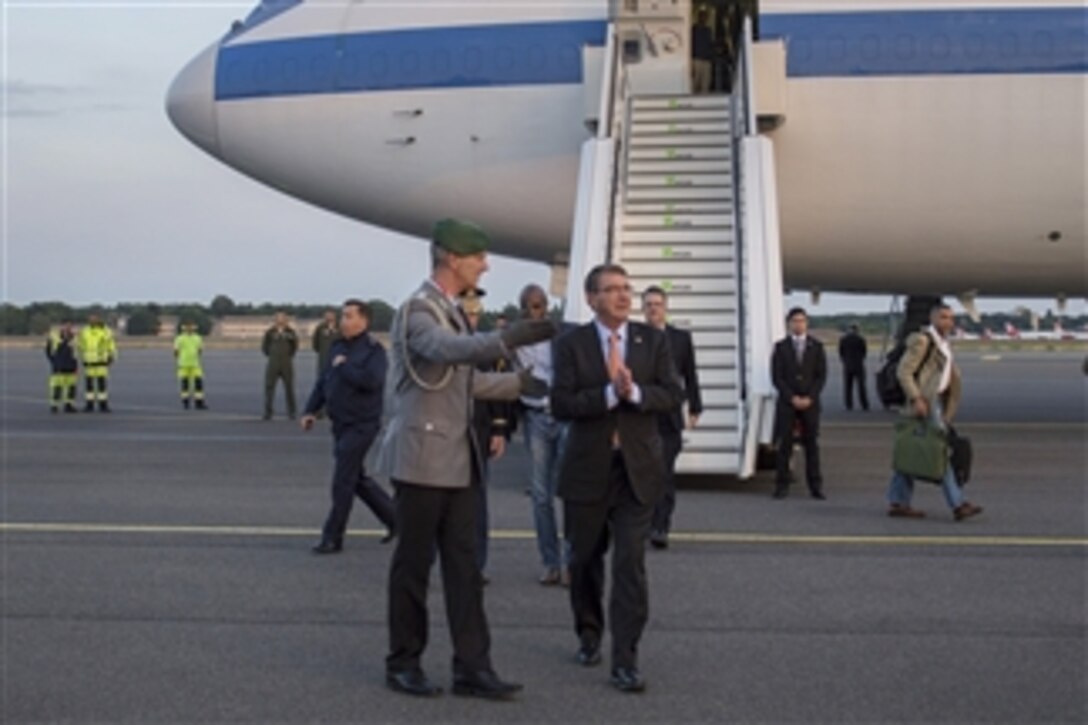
{"type": "Point", "coordinates": [578, 395]}
{"type": "Point", "coordinates": [683, 356]}
{"type": "Point", "coordinates": [792, 378]}
{"type": "Point", "coordinates": [852, 351]}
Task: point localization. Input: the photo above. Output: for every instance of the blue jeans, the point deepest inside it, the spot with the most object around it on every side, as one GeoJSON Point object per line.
{"type": "Point", "coordinates": [901, 487]}
{"type": "Point", "coordinates": [544, 436]}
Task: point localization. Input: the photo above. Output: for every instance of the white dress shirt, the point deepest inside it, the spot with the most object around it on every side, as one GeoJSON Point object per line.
{"type": "Point", "coordinates": [539, 358]}
{"type": "Point", "coordinates": [946, 350]}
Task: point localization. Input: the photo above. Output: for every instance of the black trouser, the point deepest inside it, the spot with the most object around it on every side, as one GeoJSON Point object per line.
{"type": "Point", "coordinates": [849, 376]}
{"type": "Point", "coordinates": [197, 389]}
{"type": "Point", "coordinates": [349, 479]}
{"type": "Point", "coordinates": [483, 520]}
{"type": "Point", "coordinates": [808, 439]}
{"type": "Point", "coordinates": [274, 372]}
{"type": "Point", "coordinates": [671, 441]}
{"type": "Point", "coordinates": [433, 519]}
{"type": "Point", "coordinates": [588, 529]}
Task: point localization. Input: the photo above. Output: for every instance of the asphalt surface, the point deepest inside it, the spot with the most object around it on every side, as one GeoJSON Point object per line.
{"type": "Point", "coordinates": [156, 568]}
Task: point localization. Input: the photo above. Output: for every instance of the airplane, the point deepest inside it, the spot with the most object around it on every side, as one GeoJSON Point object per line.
{"type": "Point", "coordinates": [927, 147]}
{"type": "Point", "coordinates": [917, 147]}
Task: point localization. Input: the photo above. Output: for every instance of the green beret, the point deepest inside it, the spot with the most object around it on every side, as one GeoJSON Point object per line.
{"type": "Point", "coordinates": [461, 238]}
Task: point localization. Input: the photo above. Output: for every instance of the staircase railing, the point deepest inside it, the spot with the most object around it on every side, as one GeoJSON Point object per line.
{"type": "Point", "coordinates": [759, 263]}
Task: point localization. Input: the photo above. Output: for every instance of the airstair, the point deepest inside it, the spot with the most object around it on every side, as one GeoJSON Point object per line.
{"type": "Point", "coordinates": [679, 189]}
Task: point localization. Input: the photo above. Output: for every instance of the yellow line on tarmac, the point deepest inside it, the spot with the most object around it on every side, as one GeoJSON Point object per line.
{"type": "Point", "coordinates": [525, 535]}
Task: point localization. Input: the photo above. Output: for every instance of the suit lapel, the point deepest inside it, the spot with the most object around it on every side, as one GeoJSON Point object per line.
{"type": "Point", "coordinates": [636, 350]}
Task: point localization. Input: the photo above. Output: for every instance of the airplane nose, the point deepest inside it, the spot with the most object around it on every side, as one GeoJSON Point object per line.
{"type": "Point", "coordinates": [190, 102]}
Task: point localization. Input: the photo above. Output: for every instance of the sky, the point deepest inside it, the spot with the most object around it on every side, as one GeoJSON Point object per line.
{"type": "Point", "coordinates": [104, 201]}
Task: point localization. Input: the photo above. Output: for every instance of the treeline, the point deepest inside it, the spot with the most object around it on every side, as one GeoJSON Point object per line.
{"type": "Point", "coordinates": [138, 319]}
{"type": "Point", "coordinates": [37, 318]}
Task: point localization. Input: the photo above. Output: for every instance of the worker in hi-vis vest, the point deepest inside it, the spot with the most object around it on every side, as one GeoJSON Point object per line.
{"type": "Point", "coordinates": [60, 348]}
{"type": "Point", "coordinates": [97, 351]}
{"type": "Point", "coordinates": [188, 350]}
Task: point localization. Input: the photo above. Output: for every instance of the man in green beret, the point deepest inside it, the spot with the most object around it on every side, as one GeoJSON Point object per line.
{"type": "Point", "coordinates": [435, 462]}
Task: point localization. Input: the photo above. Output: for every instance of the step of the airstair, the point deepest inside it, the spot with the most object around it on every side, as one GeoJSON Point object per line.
{"type": "Point", "coordinates": [711, 338]}
{"type": "Point", "coordinates": [683, 286]}
{"type": "Point", "coordinates": [671, 115]}
{"type": "Point", "coordinates": [712, 418]}
{"type": "Point", "coordinates": [723, 377]}
{"type": "Point", "coordinates": [696, 322]}
{"type": "Point", "coordinates": [680, 303]}
{"type": "Point", "coordinates": [701, 462]}
{"type": "Point", "coordinates": [679, 193]}
{"type": "Point", "coordinates": [679, 180]}
{"type": "Point", "coordinates": [713, 206]}
{"type": "Point", "coordinates": [679, 273]}
{"type": "Point", "coordinates": [671, 235]}
{"type": "Point", "coordinates": [680, 140]}
{"type": "Point", "coordinates": [716, 357]}
{"type": "Point", "coordinates": [665, 253]}
{"type": "Point", "coordinates": [721, 153]}
{"type": "Point", "coordinates": [675, 103]}
{"type": "Point", "coordinates": [678, 127]}
{"type": "Point", "coordinates": [678, 221]}
{"type": "Point", "coordinates": [714, 166]}
{"type": "Point", "coordinates": [718, 396]}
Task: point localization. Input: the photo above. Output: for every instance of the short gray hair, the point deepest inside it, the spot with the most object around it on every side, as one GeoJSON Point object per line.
{"type": "Point", "coordinates": [439, 256]}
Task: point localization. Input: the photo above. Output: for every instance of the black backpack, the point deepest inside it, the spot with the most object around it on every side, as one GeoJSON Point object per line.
{"type": "Point", "coordinates": [887, 380]}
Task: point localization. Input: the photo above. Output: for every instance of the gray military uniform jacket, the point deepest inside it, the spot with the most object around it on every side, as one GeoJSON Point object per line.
{"type": "Point", "coordinates": [428, 440]}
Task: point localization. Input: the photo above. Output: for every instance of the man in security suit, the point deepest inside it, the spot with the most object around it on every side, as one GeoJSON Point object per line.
{"type": "Point", "coordinates": [612, 379]}
{"type": "Point", "coordinates": [431, 454]}
{"type": "Point", "coordinates": [799, 372]}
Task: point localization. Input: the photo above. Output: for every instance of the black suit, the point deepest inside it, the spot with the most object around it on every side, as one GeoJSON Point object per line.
{"type": "Point", "coordinates": [852, 352]}
{"type": "Point", "coordinates": [606, 490]}
{"type": "Point", "coordinates": [671, 424]}
{"type": "Point", "coordinates": [806, 378]}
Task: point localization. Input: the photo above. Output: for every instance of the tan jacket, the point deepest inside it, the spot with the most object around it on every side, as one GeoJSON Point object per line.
{"type": "Point", "coordinates": [428, 439]}
{"type": "Point", "coordinates": [924, 382]}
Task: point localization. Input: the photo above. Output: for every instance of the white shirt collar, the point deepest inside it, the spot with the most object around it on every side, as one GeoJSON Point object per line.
{"type": "Point", "coordinates": [605, 333]}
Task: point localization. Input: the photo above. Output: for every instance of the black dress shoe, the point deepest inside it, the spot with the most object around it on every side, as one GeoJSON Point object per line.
{"type": "Point", "coordinates": [485, 684]}
{"type": "Point", "coordinates": [659, 540]}
{"type": "Point", "coordinates": [412, 682]}
{"type": "Point", "coordinates": [329, 546]}
{"type": "Point", "coordinates": [589, 654]}
{"type": "Point", "coordinates": [818, 495]}
{"type": "Point", "coordinates": [627, 679]}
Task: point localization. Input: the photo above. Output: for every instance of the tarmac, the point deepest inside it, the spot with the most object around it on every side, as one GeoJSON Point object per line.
{"type": "Point", "coordinates": [156, 568]}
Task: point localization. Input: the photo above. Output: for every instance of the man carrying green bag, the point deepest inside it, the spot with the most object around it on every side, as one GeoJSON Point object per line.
{"type": "Point", "coordinates": [931, 382]}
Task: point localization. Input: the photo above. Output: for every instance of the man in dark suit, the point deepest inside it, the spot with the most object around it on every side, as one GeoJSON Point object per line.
{"type": "Point", "coordinates": [350, 388]}
{"type": "Point", "coordinates": [655, 306]}
{"type": "Point", "coordinates": [852, 353]}
{"type": "Point", "coordinates": [612, 379]}
{"type": "Point", "coordinates": [799, 371]}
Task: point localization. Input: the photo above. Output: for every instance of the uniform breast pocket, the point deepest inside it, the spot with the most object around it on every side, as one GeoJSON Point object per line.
{"type": "Point", "coordinates": [428, 439]}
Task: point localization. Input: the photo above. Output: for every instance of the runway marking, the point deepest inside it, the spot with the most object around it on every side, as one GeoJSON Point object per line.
{"type": "Point", "coordinates": [708, 537]}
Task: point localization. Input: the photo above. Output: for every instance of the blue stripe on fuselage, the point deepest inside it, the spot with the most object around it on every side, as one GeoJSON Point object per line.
{"type": "Point", "coordinates": [893, 43]}
{"type": "Point", "coordinates": [462, 57]}
{"type": "Point", "coordinates": [933, 42]}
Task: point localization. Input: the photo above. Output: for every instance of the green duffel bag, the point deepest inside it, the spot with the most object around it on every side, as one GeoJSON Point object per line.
{"type": "Point", "coordinates": [921, 450]}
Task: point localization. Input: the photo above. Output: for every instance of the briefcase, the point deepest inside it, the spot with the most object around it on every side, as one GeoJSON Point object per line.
{"type": "Point", "coordinates": [921, 450]}
{"type": "Point", "coordinates": [961, 455]}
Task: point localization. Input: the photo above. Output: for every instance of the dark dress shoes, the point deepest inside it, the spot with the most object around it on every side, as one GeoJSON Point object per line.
{"type": "Point", "coordinates": [818, 495]}
{"type": "Point", "coordinates": [627, 679]}
{"type": "Point", "coordinates": [485, 684]}
{"type": "Point", "coordinates": [329, 546]}
{"type": "Point", "coordinates": [659, 539]}
{"type": "Point", "coordinates": [589, 654]}
{"type": "Point", "coordinates": [412, 682]}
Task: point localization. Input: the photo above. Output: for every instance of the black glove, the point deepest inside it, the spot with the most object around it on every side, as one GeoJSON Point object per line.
{"type": "Point", "coordinates": [527, 332]}
{"type": "Point", "coordinates": [532, 386]}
